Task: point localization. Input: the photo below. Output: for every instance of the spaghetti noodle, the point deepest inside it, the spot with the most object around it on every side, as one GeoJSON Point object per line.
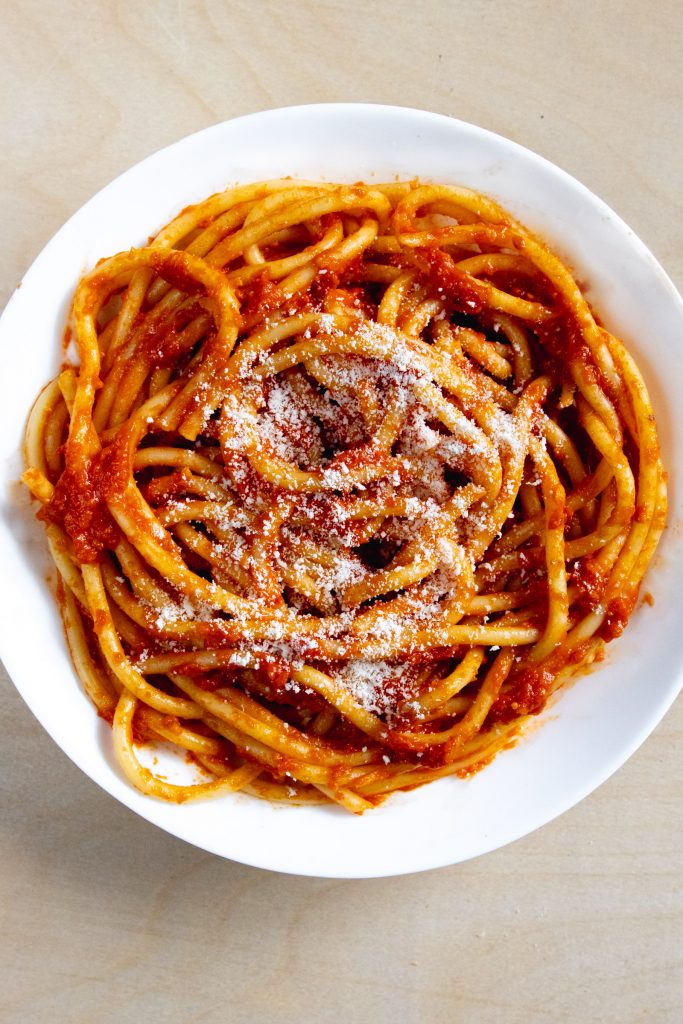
{"type": "Point", "coordinates": [344, 482]}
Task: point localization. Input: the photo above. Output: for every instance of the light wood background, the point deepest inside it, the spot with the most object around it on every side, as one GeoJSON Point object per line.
{"type": "Point", "coordinates": [106, 919]}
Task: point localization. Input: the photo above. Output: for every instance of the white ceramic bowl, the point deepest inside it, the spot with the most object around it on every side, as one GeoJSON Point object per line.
{"type": "Point", "coordinates": [594, 725]}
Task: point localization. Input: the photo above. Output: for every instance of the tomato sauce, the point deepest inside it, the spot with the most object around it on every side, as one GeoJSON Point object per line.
{"type": "Point", "coordinates": [527, 694]}
{"type": "Point", "coordinates": [78, 506]}
{"type": "Point", "coordinates": [455, 287]}
{"type": "Point", "coordinates": [617, 615]}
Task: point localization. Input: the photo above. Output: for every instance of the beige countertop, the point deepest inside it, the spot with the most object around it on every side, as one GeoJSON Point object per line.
{"type": "Point", "coordinates": [107, 919]}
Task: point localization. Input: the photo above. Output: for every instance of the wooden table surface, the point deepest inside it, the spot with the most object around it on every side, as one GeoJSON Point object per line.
{"type": "Point", "coordinates": [107, 919]}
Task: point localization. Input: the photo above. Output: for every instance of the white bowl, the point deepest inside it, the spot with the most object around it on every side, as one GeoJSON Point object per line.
{"type": "Point", "coordinates": [594, 725]}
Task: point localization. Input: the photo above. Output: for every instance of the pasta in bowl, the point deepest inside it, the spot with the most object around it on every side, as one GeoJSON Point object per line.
{"type": "Point", "coordinates": [585, 732]}
{"type": "Point", "coordinates": [345, 482]}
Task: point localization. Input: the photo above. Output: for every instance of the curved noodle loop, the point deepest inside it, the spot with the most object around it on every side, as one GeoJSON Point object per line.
{"type": "Point", "coordinates": [344, 482]}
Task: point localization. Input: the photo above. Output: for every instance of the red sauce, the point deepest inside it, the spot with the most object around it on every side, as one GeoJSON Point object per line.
{"type": "Point", "coordinates": [141, 733]}
{"type": "Point", "coordinates": [590, 580]}
{"type": "Point", "coordinates": [248, 484]}
{"type": "Point", "coordinates": [81, 495]}
{"type": "Point", "coordinates": [617, 615]}
{"type": "Point", "coordinates": [100, 620]}
{"type": "Point", "coordinates": [162, 343]}
{"type": "Point", "coordinates": [79, 507]}
{"type": "Point", "coordinates": [562, 338]}
{"type": "Point", "coordinates": [527, 694]}
{"type": "Point", "coordinates": [458, 290]}
{"type": "Point", "coordinates": [319, 227]}
{"type": "Point", "coordinates": [346, 269]}
{"type": "Point", "coordinates": [259, 298]}
{"type": "Point", "coordinates": [641, 514]}
{"type": "Point", "coordinates": [170, 486]}
{"type": "Point", "coordinates": [529, 686]}
{"type": "Point", "coordinates": [172, 266]}
{"type": "Point", "coordinates": [320, 288]}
